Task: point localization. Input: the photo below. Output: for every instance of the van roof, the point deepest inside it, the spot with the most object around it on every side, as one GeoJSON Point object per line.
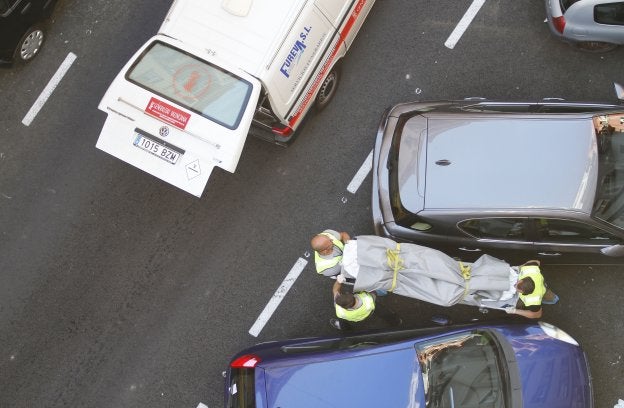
{"type": "Point", "coordinates": [259, 33]}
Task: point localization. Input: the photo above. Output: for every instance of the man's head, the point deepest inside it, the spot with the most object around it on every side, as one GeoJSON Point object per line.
{"type": "Point", "coordinates": [345, 300]}
{"type": "Point", "coordinates": [525, 286]}
{"type": "Point", "coordinates": [322, 244]}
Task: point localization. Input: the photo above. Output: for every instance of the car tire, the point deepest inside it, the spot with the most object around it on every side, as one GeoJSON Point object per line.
{"type": "Point", "coordinates": [595, 46]}
{"type": "Point", "coordinates": [29, 45]}
{"type": "Point", "coordinates": [328, 88]}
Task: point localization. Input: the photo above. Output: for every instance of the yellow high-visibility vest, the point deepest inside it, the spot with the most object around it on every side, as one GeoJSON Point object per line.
{"type": "Point", "coordinates": [534, 298]}
{"type": "Point", "coordinates": [356, 315]}
{"type": "Point", "coordinates": [322, 263]}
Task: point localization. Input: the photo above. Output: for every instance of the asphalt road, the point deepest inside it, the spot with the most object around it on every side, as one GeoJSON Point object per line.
{"type": "Point", "coordinates": [117, 290]}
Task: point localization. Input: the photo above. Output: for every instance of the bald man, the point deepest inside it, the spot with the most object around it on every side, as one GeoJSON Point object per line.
{"type": "Point", "coordinates": [328, 247]}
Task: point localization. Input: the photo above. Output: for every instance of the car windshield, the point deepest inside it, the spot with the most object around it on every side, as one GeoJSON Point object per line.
{"type": "Point", "coordinates": [462, 370]}
{"type": "Point", "coordinates": [192, 83]}
{"type": "Point", "coordinates": [609, 201]}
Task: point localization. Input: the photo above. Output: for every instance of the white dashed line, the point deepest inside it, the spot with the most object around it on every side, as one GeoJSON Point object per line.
{"type": "Point", "coordinates": [361, 174]}
{"type": "Point", "coordinates": [278, 296]}
{"type": "Point", "coordinates": [464, 23]}
{"type": "Point", "coordinates": [296, 270]}
{"type": "Point", "coordinates": [47, 91]}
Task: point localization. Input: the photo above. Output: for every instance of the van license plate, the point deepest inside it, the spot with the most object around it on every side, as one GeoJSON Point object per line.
{"type": "Point", "coordinates": [155, 148]}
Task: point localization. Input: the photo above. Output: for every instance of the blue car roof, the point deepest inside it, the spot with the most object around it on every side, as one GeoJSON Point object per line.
{"type": "Point", "coordinates": [388, 377]}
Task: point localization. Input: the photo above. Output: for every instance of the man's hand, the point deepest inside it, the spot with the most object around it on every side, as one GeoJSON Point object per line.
{"type": "Point", "coordinates": [340, 278]}
{"type": "Point", "coordinates": [510, 310]}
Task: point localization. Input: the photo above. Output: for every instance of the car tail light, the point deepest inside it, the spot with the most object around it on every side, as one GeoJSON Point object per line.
{"type": "Point", "coordinates": [559, 23]}
{"type": "Point", "coordinates": [246, 361]}
{"type": "Point", "coordinates": [282, 131]}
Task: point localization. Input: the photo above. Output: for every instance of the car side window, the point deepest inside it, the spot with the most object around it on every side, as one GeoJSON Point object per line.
{"type": "Point", "coordinates": [572, 232]}
{"type": "Point", "coordinates": [612, 13]}
{"type": "Point", "coordinates": [494, 228]}
{"type": "Point", "coordinates": [6, 5]}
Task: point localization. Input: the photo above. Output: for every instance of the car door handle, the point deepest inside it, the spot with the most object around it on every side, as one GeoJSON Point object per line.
{"type": "Point", "coordinates": [469, 250]}
{"type": "Point", "coordinates": [549, 253]}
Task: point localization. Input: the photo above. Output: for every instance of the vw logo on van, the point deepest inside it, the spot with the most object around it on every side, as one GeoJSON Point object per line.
{"type": "Point", "coordinates": [163, 131]}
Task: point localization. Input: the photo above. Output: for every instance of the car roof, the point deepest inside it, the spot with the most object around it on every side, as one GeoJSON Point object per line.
{"type": "Point", "coordinates": [347, 379]}
{"type": "Point", "coordinates": [501, 161]}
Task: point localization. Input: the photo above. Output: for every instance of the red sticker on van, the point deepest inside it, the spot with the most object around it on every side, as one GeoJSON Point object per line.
{"type": "Point", "coordinates": [168, 113]}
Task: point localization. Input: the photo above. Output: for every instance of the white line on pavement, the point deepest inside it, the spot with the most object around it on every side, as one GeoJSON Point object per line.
{"type": "Point", "coordinates": [47, 91]}
{"type": "Point", "coordinates": [464, 23]}
{"type": "Point", "coordinates": [361, 174]}
{"type": "Point", "coordinates": [278, 296]}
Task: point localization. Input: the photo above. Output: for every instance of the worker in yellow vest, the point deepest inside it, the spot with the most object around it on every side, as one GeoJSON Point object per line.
{"type": "Point", "coordinates": [328, 247]}
{"type": "Point", "coordinates": [533, 292]}
{"type": "Point", "coordinates": [355, 307]}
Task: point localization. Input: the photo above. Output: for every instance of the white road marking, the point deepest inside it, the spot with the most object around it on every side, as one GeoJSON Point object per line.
{"type": "Point", "coordinates": [278, 296]}
{"type": "Point", "coordinates": [47, 91]}
{"type": "Point", "coordinates": [464, 23]}
{"type": "Point", "coordinates": [359, 177]}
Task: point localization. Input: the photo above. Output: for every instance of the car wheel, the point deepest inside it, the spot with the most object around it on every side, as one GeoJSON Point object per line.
{"type": "Point", "coordinates": [30, 44]}
{"type": "Point", "coordinates": [328, 88]}
{"type": "Point", "coordinates": [595, 46]}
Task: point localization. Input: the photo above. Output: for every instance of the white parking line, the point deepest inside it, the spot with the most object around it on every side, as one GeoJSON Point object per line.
{"type": "Point", "coordinates": [47, 91]}
{"type": "Point", "coordinates": [361, 174]}
{"type": "Point", "coordinates": [278, 296]}
{"type": "Point", "coordinates": [464, 23]}
{"type": "Point", "coordinates": [301, 263]}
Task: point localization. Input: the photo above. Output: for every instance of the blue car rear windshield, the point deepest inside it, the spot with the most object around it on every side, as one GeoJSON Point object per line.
{"type": "Point", "coordinates": [463, 370]}
{"type": "Point", "coordinates": [609, 201]}
{"type": "Point", "coordinates": [197, 85]}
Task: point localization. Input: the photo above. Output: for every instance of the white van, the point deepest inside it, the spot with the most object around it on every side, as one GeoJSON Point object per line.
{"type": "Point", "coordinates": [186, 100]}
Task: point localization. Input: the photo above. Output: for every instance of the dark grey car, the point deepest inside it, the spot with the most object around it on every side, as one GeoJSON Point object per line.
{"type": "Point", "coordinates": [518, 181]}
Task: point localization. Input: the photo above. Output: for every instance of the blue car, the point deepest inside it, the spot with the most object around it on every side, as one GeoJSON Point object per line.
{"type": "Point", "coordinates": [475, 365]}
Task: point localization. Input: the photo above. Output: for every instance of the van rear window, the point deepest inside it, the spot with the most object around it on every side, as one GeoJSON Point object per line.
{"type": "Point", "coordinates": [188, 81]}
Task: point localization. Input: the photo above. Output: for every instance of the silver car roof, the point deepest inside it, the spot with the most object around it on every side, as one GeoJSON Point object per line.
{"type": "Point", "coordinates": [498, 162]}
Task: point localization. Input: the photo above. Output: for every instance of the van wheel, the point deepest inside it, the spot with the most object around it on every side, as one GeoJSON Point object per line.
{"type": "Point", "coordinates": [328, 89]}
{"type": "Point", "coordinates": [595, 46]}
{"type": "Point", "coordinates": [29, 45]}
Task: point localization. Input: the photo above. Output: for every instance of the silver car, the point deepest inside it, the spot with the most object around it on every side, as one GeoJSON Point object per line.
{"type": "Point", "coordinates": [589, 25]}
{"type": "Point", "coordinates": [536, 180]}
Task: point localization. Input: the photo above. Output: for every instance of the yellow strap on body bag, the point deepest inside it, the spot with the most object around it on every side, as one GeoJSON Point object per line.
{"type": "Point", "coordinates": [465, 271]}
{"type": "Point", "coordinates": [395, 263]}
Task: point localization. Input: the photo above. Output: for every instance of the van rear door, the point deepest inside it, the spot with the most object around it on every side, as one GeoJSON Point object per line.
{"type": "Point", "coordinates": [175, 113]}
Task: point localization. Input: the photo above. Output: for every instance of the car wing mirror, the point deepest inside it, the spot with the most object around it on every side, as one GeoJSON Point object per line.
{"type": "Point", "coordinates": [613, 250]}
{"type": "Point", "coordinates": [619, 91]}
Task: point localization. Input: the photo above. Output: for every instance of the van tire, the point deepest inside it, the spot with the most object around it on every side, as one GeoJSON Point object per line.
{"type": "Point", "coordinates": [328, 88]}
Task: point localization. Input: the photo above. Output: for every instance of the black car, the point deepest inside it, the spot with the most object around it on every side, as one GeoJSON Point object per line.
{"type": "Point", "coordinates": [22, 29]}
{"type": "Point", "coordinates": [538, 180]}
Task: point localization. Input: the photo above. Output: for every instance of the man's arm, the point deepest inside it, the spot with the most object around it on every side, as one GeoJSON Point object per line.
{"type": "Point", "coordinates": [344, 237]}
{"type": "Point", "coordinates": [526, 313]}
{"type": "Point", "coordinates": [336, 288]}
